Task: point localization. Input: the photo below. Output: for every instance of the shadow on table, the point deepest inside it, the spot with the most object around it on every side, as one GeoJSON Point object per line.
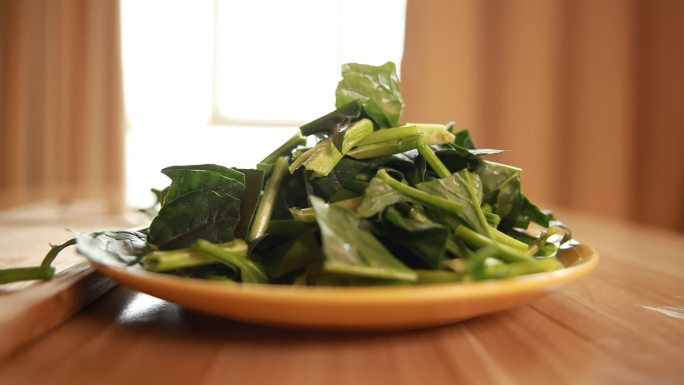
{"type": "Point", "coordinates": [140, 312]}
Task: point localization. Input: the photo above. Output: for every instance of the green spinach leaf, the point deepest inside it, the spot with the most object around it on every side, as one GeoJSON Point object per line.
{"type": "Point", "coordinates": [377, 90]}
{"type": "Point", "coordinates": [464, 188]}
{"type": "Point", "coordinates": [425, 241]}
{"type": "Point", "coordinates": [378, 196]}
{"type": "Point", "coordinates": [254, 180]}
{"type": "Point", "coordinates": [289, 246]}
{"type": "Point", "coordinates": [202, 202]}
{"type": "Point", "coordinates": [351, 250]}
{"type": "Point", "coordinates": [113, 248]}
{"type": "Point", "coordinates": [187, 179]}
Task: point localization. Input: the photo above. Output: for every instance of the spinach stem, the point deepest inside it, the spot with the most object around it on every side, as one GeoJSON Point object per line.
{"type": "Point", "coordinates": [355, 134]}
{"type": "Point", "coordinates": [437, 276]}
{"type": "Point", "coordinates": [541, 240]}
{"type": "Point", "coordinates": [159, 261]}
{"type": "Point", "coordinates": [264, 210]}
{"type": "Point", "coordinates": [388, 147]}
{"type": "Point", "coordinates": [54, 250]}
{"type": "Point", "coordinates": [321, 158]}
{"type": "Point", "coordinates": [304, 215]}
{"type": "Point", "coordinates": [443, 172]}
{"type": "Point", "coordinates": [504, 252]}
{"type": "Point", "coordinates": [472, 194]}
{"type": "Point", "coordinates": [385, 135]}
{"type": "Point", "coordinates": [250, 271]}
{"type": "Point", "coordinates": [420, 196]}
{"type": "Point", "coordinates": [25, 274]}
{"type": "Point", "coordinates": [514, 269]}
{"type": "Point", "coordinates": [431, 133]}
{"type": "Point", "coordinates": [434, 162]}
{"type": "Point", "coordinates": [508, 240]}
{"type": "Point", "coordinates": [296, 140]}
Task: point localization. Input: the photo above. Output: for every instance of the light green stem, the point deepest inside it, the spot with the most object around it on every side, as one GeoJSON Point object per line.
{"type": "Point", "coordinates": [505, 253]}
{"type": "Point", "coordinates": [305, 215]}
{"type": "Point", "coordinates": [434, 162]}
{"type": "Point", "coordinates": [356, 133]}
{"type": "Point", "coordinates": [437, 276]}
{"type": "Point", "coordinates": [250, 272]}
{"type": "Point", "coordinates": [296, 140]}
{"type": "Point", "coordinates": [25, 274]}
{"type": "Point", "coordinates": [55, 250]}
{"type": "Point", "coordinates": [492, 232]}
{"type": "Point", "coordinates": [264, 210]}
{"type": "Point", "coordinates": [431, 133]}
{"type": "Point", "coordinates": [389, 147]}
{"type": "Point", "coordinates": [522, 267]}
{"type": "Point", "coordinates": [508, 240]}
{"type": "Point", "coordinates": [159, 261]}
{"type": "Point", "coordinates": [387, 134]}
{"type": "Point", "coordinates": [420, 196]}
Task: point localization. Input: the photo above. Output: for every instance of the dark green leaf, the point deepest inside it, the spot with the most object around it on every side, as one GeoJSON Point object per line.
{"type": "Point", "coordinates": [293, 193]}
{"type": "Point", "coordinates": [187, 179]}
{"type": "Point", "coordinates": [377, 197]}
{"type": "Point", "coordinates": [501, 187]}
{"type": "Point", "coordinates": [335, 121]}
{"type": "Point", "coordinates": [347, 172]}
{"type": "Point", "coordinates": [190, 184]}
{"type": "Point", "coordinates": [456, 159]}
{"type": "Point", "coordinates": [531, 211]}
{"type": "Point", "coordinates": [426, 241]}
{"type": "Point", "coordinates": [203, 201]}
{"type": "Point", "coordinates": [463, 139]}
{"type": "Point", "coordinates": [207, 214]}
{"type": "Point", "coordinates": [254, 180]}
{"type": "Point", "coordinates": [289, 246]}
{"type": "Point", "coordinates": [350, 250]}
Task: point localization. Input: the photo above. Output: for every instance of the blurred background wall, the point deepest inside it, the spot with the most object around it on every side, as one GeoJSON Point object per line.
{"type": "Point", "coordinates": [587, 95]}
{"type": "Point", "coordinates": [61, 106]}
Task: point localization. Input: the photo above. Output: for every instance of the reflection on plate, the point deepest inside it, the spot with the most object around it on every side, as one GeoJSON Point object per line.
{"type": "Point", "coordinates": [355, 308]}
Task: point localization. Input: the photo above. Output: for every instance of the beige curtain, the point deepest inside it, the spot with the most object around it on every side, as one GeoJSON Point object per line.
{"type": "Point", "coordinates": [61, 105]}
{"type": "Point", "coordinates": [588, 95]}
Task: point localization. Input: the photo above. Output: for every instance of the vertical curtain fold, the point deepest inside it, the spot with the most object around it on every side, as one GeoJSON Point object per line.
{"type": "Point", "coordinates": [588, 95]}
{"type": "Point", "coordinates": [61, 115]}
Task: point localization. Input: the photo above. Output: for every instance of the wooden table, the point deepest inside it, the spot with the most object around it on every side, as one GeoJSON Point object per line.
{"type": "Point", "coordinates": [624, 324]}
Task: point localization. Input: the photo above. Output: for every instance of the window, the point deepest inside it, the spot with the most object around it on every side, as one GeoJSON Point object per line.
{"type": "Point", "coordinates": [217, 81]}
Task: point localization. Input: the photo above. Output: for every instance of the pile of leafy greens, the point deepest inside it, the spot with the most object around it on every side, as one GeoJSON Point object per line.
{"type": "Point", "coordinates": [371, 202]}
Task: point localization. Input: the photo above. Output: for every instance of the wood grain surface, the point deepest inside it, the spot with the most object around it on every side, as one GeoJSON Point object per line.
{"type": "Point", "coordinates": [624, 324]}
{"type": "Point", "coordinates": [29, 309]}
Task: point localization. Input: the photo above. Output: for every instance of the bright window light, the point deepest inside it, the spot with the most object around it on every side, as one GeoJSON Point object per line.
{"type": "Point", "coordinates": [284, 72]}
{"type": "Point", "coordinates": [167, 54]}
{"type": "Point", "coordinates": [227, 81]}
